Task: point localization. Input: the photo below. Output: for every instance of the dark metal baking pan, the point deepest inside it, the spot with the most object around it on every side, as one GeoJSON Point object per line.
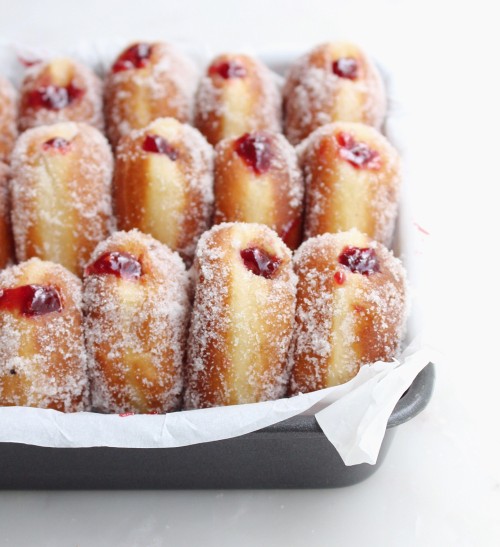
{"type": "Point", "coordinates": [291, 454]}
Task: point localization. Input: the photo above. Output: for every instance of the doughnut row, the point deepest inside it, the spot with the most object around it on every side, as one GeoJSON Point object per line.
{"type": "Point", "coordinates": [244, 268]}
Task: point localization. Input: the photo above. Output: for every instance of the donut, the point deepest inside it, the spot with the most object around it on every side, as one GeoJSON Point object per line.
{"type": "Point", "coordinates": [237, 95]}
{"type": "Point", "coordinates": [8, 119]}
{"type": "Point", "coordinates": [6, 242]}
{"type": "Point", "coordinates": [353, 177]}
{"type": "Point", "coordinates": [257, 179]}
{"type": "Point", "coordinates": [61, 193]}
{"type": "Point", "coordinates": [60, 90]}
{"type": "Point", "coordinates": [242, 318]}
{"type": "Point", "coordinates": [163, 184]}
{"type": "Point", "coordinates": [333, 82]}
{"type": "Point", "coordinates": [148, 81]}
{"type": "Point", "coordinates": [351, 309]}
{"type": "Point", "coordinates": [136, 311]}
{"type": "Point", "coordinates": [42, 351]}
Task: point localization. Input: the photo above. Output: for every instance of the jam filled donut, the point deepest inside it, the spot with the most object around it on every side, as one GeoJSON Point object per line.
{"type": "Point", "coordinates": [6, 242]}
{"type": "Point", "coordinates": [136, 308]}
{"type": "Point", "coordinates": [350, 309]}
{"type": "Point", "coordinates": [237, 95]}
{"type": "Point", "coordinates": [61, 193]}
{"type": "Point", "coordinates": [242, 318]}
{"type": "Point", "coordinates": [8, 119]}
{"type": "Point", "coordinates": [163, 184]}
{"type": "Point", "coordinates": [42, 350]}
{"type": "Point", "coordinates": [353, 176]}
{"type": "Point", "coordinates": [257, 179]}
{"type": "Point", "coordinates": [148, 81]}
{"type": "Point", "coordinates": [60, 90]}
{"type": "Point", "coordinates": [333, 82]}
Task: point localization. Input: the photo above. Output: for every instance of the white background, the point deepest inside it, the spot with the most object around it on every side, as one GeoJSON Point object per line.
{"type": "Point", "coordinates": [440, 483]}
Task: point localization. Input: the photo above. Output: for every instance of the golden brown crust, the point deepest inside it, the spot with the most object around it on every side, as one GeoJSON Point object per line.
{"type": "Point", "coordinates": [85, 106]}
{"type": "Point", "coordinates": [344, 319]}
{"type": "Point", "coordinates": [340, 194]}
{"type": "Point", "coordinates": [242, 322]}
{"type": "Point", "coordinates": [314, 95]}
{"type": "Point", "coordinates": [229, 107]}
{"type": "Point", "coordinates": [135, 329]}
{"type": "Point", "coordinates": [163, 87]}
{"type": "Point", "coordinates": [167, 196]}
{"type": "Point", "coordinates": [6, 241]}
{"type": "Point", "coordinates": [61, 196]}
{"type": "Point", "coordinates": [8, 119]}
{"type": "Point", "coordinates": [42, 357]}
{"type": "Point", "coordinates": [271, 195]}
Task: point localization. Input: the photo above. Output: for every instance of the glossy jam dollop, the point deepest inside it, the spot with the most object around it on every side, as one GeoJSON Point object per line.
{"type": "Point", "coordinates": [136, 56]}
{"type": "Point", "coordinates": [260, 262]}
{"type": "Point", "coordinates": [159, 145]}
{"type": "Point", "coordinates": [57, 143]}
{"type": "Point", "coordinates": [31, 300]}
{"type": "Point", "coordinates": [346, 67]}
{"type": "Point", "coordinates": [123, 265]}
{"type": "Point", "coordinates": [360, 260]}
{"type": "Point", "coordinates": [228, 70]}
{"type": "Point", "coordinates": [54, 97]}
{"type": "Point", "coordinates": [339, 277]}
{"type": "Point", "coordinates": [255, 150]}
{"type": "Point", "coordinates": [358, 154]}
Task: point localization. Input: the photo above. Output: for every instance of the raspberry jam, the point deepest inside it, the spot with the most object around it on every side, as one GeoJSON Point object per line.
{"type": "Point", "coordinates": [228, 70]}
{"type": "Point", "coordinates": [122, 265]}
{"type": "Point", "coordinates": [54, 97]}
{"type": "Point", "coordinates": [339, 277]}
{"type": "Point", "coordinates": [358, 154]}
{"type": "Point", "coordinates": [259, 262]}
{"type": "Point", "coordinates": [158, 145]}
{"type": "Point", "coordinates": [360, 260]}
{"type": "Point", "coordinates": [346, 67]}
{"type": "Point", "coordinates": [57, 143]}
{"type": "Point", "coordinates": [31, 300]}
{"type": "Point", "coordinates": [136, 56]}
{"type": "Point", "coordinates": [255, 150]}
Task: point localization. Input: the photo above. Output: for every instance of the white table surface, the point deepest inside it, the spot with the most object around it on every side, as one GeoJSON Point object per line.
{"type": "Point", "coordinates": [440, 483]}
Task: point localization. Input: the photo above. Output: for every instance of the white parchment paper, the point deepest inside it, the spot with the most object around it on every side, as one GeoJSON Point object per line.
{"type": "Point", "coordinates": [353, 416]}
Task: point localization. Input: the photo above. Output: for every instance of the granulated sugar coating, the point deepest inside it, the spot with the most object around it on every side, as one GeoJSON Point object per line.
{"type": "Point", "coordinates": [163, 85]}
{"type": "Point", "coordinates": [273, 196]}
{"type": "Point", "coordinates": [135, 328]}
{"type": "Point", "coordinates": [315, 94]}
{"type": "Point", "coordinates": [8, 119]}
{"type": "Point", "coordinates": [353, 178]}
{"type": "Point", "coordinates": [344, 318]}
{"type": "Point", "coordinates": [42, 357]}
{"type": "Point", "coordinates": [61, 195]}
{"type": "Point", "coordinates": [168, 195]}
{"type": "Point", "coordinates": [58, 91]}
{"type": "Point", "coordinates": [238, 102]}
{"type": "Point", "coordinates": [242, 321]}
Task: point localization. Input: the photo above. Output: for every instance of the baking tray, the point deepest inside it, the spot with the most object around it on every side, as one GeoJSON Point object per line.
{"type": "Point", "coordinates": [291, 454]}
{"type": "Point", "coordinates": [294, 453]}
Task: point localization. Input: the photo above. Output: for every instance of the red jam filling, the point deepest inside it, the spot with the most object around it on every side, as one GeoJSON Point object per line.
{"type": "Point", "coordinates": [259, 262]}
{"type": "Point", "coordinates": [31, 299]}
{"type": "Point", "coordinates": [122, 265]}
{"type": "Point", "coordinates": [228, 70]}
{"type": "Point", "coordinates": [255, 150]}
{"type": "Point", "coordinates": [346, 67]}
{"type": "Point", "coordinates": [360, 260]}
{"type": "Point", "coordinates": [158, 145]}
{"type": "Point", "coordinates": [136, 56]}
{"type": "Point", "coordinates": [54, 97]}
{"type": "Point", "coordinates": [57, 143]}
{"type": "Point", "coordinates": [339, 277]}
{"type": "Point", "coordinates": [358, 154]}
